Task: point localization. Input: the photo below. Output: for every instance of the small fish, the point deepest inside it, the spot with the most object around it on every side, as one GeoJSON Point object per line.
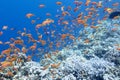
{"type": "Point", "coordinates": [1, 33]}
{"type": "Point", "coordinates": [19, 41]}
{"type": "Point", "coordinates": [109, 10]}
{"type": "Point", "coordinates": [33, 21]}
{"type": "Point", "coordinates": [58, 3]}
{"type": "Point", "coordinates": [47, 55]}
{"type": "Point", "coordinates": [94, 27]}
{"type": "Point", "coordinates": [38, 26]}
{"type": "Point", "coordinates": [76, 9]}
{"type": "Point", "coordinates": [29, 15]}
{"type": "Point", "coordinates": [29, 58]}
{"type": "Point", "coordinates": [6, 64]}
{"type": "Point", "coordinates": [87, 2]}
{"type": "Point", "coordinates": [71, 37]}
{"type": "Point", "coordinates": [12, 45]}
{"type": "Point", "coordinates": [65, 22]}
{"type": "Point", "coordinates": [118, 48]}
{"type": "Point", "coordinates": [4, 27]}
{"type": "Point", "coordinates": [1, 56]}
{"type": "Point", "coordinates": [116, 4]}
{"type": "Point", "coordinates": [47, 22]}
{"type": "Point", "coordinates": [45, 67]}
{"type": "Point", "coordinates": [9, 73]}
{"type": "Point", "coordinates": [86, 41]}
{"type": "Point", "coordinates": [58, 44]}
{"type": "Point", "coordinates": [56, 65]}
{"type": "Point", "coordinates": [79, 21]}
{"type": "Point", "coordinates": [63, 36]}
{"type": "Point", "coordinates": [41, 6]}
{"type": "Point", "coordinates": [94, 3]}
{"type": "Point", "coordinates": [99, 4]}
{"type": "Point", "coordinates": [43, 42]}
{"type": "Point", "coordinates": [6, 52]}
{"type": "Point", "coordinates": [1, 42]}
{"type": "Point", "coordinates": [62, 8]}
{"type": "Point", "coordinates": [33, 47]}
{"type": "Point", "coordinates": [48, 14]}
{"type": "Point", "coordinates": [13, 59]}
{"type": "Point", "coordinates": [24, 50]}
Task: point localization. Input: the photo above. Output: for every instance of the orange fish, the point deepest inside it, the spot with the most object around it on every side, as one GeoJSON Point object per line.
{"type": "Point", "coordinates": [78, 3]}
{"type": "Point", "coordinates": [69, 8]}
{"type": "Point", "coordinates": [87, 41]}
{"type": "Point", "coordinates": [47, 55]}
{"type": "Point", "coordinates": [33, 47]}
{"type": "Point", "coordinates": [43, 42]}
{"type": "Point", "coordinates": [92, 9]}
{"type": "Point", "coordinates": [38, 26]}
{"type": "Point", "coordinates": [12, 45]}
{"type": "Point", "coordinates": [33, 21]}
{"type": "Point", "coordinates": [40, 37]}
{"type": "Point", "coordinates": [65, 22]}
{"type": "Point", "coordinates": [9, 73]}
{"type": "Point", "coordinates": [58, 3]}
{"type": "Point", "coordinates": [6, 64]}
{"type": "Point", "coordinates": [29, 15]}
{"type": "Point", "coordinates": [94, 3]}
{"type": "Point", "coordinates": [45, 67]}
{"type": "Point", "coordinates": [99, 4]}
{"type": "Point", "coordinates": [80, 15]}
{"type": "Point", "coordinates": [87, 2]}
{"type": "Point", "coordinates": [51, 45]}
{"type": "Point", "coordinates": [58, 44]}
{"type": "Point", "coordinates": [64, 13]}
{"type": "Point", "coordinates": [19, 41]}
{"type": "Point", "coordinates": [116, 4]}
{"type": "Point", "coordinates": [94, 27]}
{"type": "Point", "coordinates": [109, 10]}
{"type": "Point", "coordinates": [1, 56]}
{"type": "Point", "coordinates": [79, 21]}
{"type": "Point", "coordinates": [16, 50]}
{"type": "Point", "coordinates": [13, 59]}
{"type": "Point", "coordinates": [55, 65]}
{"type": "Point", "coordinates": [1, 33]}
{"type": "Point", "coordinates": [29, 58]}
{"type": "Point", "coordinates": [76, 9]}
{"type": "Point", "coordinates": [19, 60]}
{"type": "Point", "coordinates": [6, 52]}
{"type": "Point", "coordinates": [63, 36]}
{"type": "Point", "coordinates": [47, 22]}
{"type": "Point", "coordinates": [118, 48]}
{"type": "Point", "coordinates": [72, 37]}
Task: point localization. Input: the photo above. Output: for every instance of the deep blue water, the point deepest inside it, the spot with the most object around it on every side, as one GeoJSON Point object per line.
{"type": "Point", "coordinates": [12, 14]}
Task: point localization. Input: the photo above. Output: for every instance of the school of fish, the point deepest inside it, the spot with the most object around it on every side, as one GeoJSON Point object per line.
{"type": "Point", "coordinates": [69, 20]}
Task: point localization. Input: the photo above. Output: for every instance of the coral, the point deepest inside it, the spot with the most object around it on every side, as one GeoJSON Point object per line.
{"type": "Point", "coordinates": [96, 56]}
{"type": "Point", "coordinates": [93, 69]}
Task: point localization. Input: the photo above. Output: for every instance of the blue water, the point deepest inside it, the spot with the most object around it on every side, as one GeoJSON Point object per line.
{"type": "Point", "coordinates": [12, 14]}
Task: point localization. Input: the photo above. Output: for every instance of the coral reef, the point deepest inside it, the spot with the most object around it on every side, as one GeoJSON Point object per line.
{"type": "Point", "coordinates": [95, 56]}
{"type": "Point", "coordinates": [93, 69]}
